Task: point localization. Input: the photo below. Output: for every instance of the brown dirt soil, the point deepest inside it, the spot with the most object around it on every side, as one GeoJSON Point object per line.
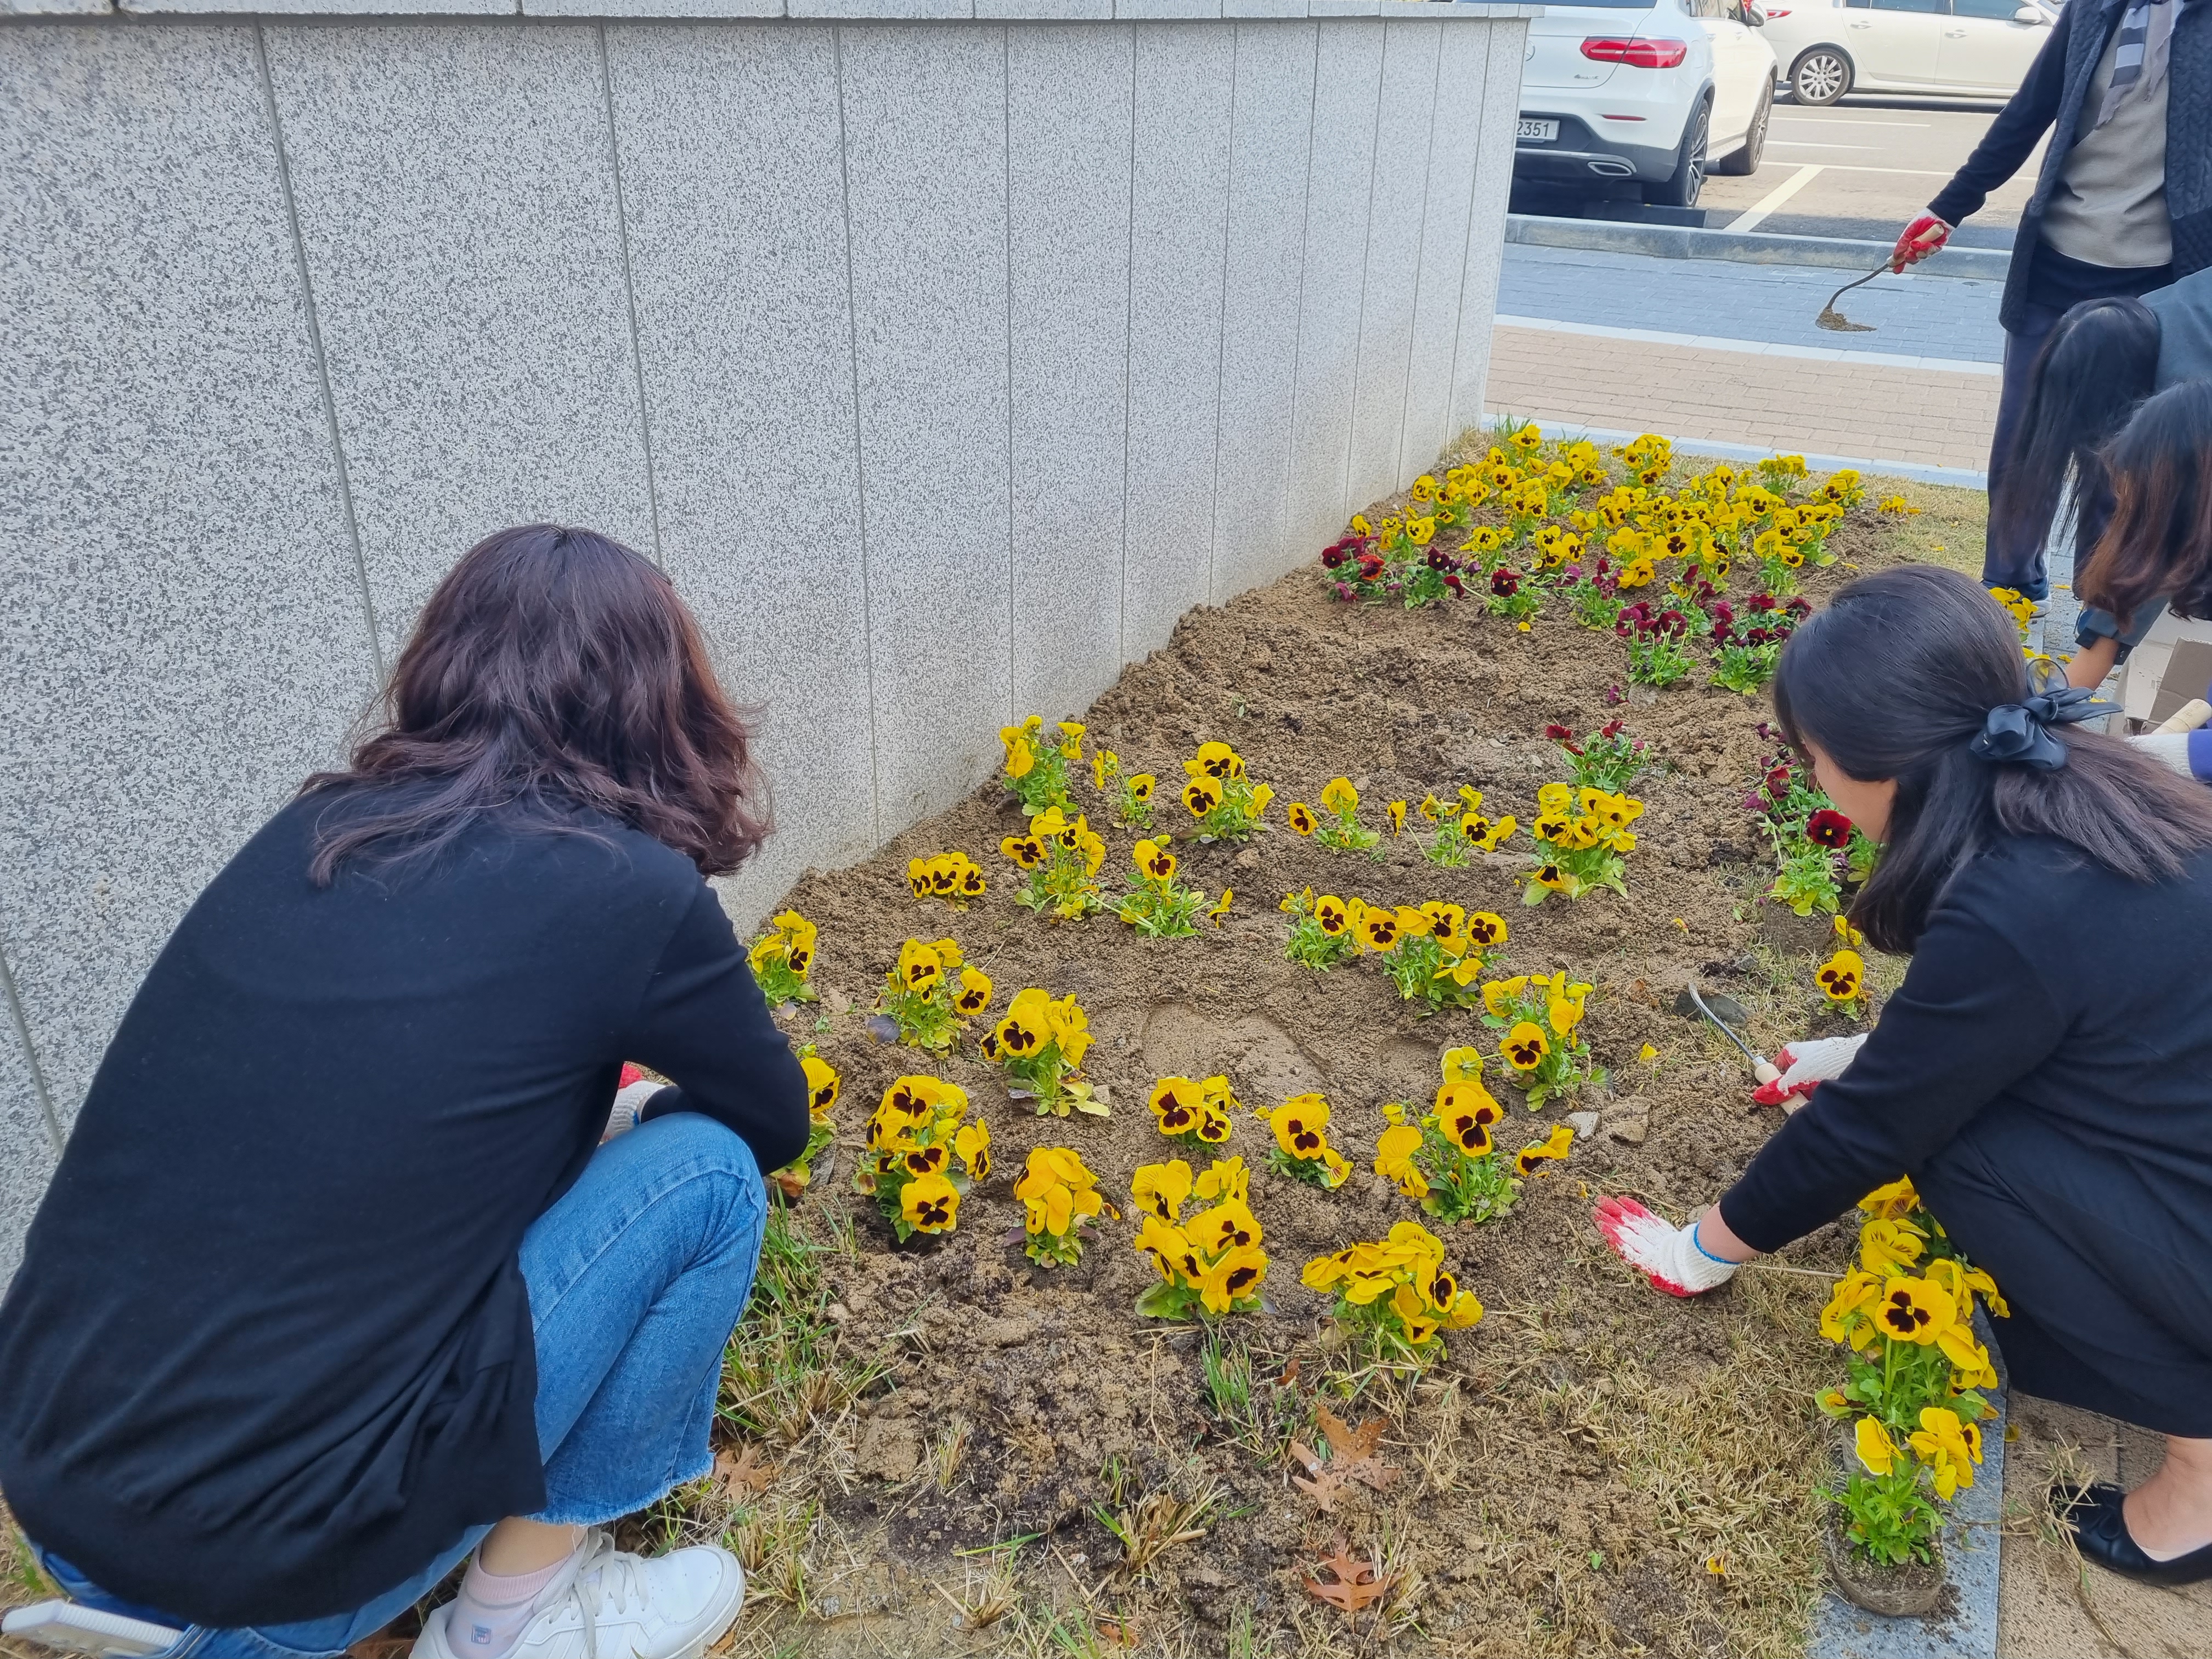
{"type": "Point", "coordinates": [1593, 1468]}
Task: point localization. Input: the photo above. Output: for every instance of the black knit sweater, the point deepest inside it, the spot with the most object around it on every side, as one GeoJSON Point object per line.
{"type": "Point", "coordinates": [269, 1351]}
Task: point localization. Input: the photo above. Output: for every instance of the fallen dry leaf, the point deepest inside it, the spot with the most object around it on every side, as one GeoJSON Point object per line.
{"type": "Point", "coordinates": [1351, 1585]}
{"type": "Point", "coordinates": [1352, 1456]}
{"type": "Point", "coordinates": [742, 1474]}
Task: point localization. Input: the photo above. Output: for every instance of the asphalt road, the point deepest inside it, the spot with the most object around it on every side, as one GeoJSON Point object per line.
{"type": "Point", "coordinates": [1861, 169]}
{"type": "Point", "coordinates": [1864, 168]}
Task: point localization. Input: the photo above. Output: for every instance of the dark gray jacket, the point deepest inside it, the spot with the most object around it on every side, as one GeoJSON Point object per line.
{"type": "Point", "coordinates": [2052, 96]}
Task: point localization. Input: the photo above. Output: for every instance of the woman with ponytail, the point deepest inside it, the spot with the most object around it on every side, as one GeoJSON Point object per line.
{"type": "Point", "coordinates": [2052, 1105]}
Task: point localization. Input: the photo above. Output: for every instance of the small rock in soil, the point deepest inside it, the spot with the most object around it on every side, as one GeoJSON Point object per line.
{"type": "Point", "coordinates": [1249, 858]}
{"type": "Point", "coordinates": [1630, 1122]}
{"type": "Point", "coordinates": [1584, 1124]}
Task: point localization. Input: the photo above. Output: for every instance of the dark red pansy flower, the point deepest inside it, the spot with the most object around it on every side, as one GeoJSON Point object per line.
{"type": "Point", "coordinates": [1828, 828]}
{"type": "Point", "coordinates": [1760, 602]}
{"type": "Point", "coordinates": [1333, 556]}
{"type": "Point", "coordinates": [1370, 566]}
{"type": "Point", "coordinates": [1614, 694]}
{"type": "Point", "coordinates": [1505, 583]}
{"type": "Point", "coordinates": [1611, 729]}
{"type": "Point", "coordinates": [1721, 611]}
{"type": "Point", "coordinates": [1557, 733]}
{"type": "Point", "coordinates": [1455, 584]}
{"type": "Point", "coordinates": [1800, 607]}
{"type": "Point", "coordinates": [1440, 560]}
{"type": "Point", "coordinates": [1671, 622]}
{"type": "Point", "coordinates": [1777, 782]}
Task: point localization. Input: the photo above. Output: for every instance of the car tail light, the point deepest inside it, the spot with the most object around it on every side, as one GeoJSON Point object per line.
{"type": "Point", "coordinates": [1638, 54]}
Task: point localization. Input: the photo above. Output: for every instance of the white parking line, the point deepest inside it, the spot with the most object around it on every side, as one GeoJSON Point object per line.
{"type": "Point", "coordinates": [1774, 199]}
{"type": "Point", "coordinates": [1837, 121]}
{"type": "Point", "coordinates": [1800, 144]}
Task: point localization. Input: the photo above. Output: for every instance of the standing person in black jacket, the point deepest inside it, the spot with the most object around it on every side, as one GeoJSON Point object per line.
{"type": "Point", "coordinates": [337, 1281]}
{"type": "Point", "coordinates": [2123, 205]}
{"type": "Point", "coordinates": [2054, 1113]}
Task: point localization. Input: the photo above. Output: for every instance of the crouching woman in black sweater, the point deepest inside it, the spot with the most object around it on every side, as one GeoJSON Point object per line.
{"type": "Point", "coordinates": [2052, 1105]}
{"type": "Point", "coordinates": [337, 1281]}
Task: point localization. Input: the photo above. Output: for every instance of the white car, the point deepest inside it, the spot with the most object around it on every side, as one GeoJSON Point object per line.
{"type": "Point", "coordinates": [1653, 92]}
{"type": "Point", "coordinates": [1976, 48]}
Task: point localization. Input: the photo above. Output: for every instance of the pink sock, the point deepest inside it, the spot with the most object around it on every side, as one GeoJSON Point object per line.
{"type": "Point", "coordinates": [488, 1615]}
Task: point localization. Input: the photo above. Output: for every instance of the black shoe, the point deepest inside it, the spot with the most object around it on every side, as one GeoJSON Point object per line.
{"type": "Point", "coordinates": [2100, 1529]}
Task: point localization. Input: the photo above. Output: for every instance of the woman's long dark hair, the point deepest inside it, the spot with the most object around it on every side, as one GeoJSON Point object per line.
{"type": "Point", "coordinates": [2160, 540]}
{"type": "Point", "coordinates": [2100, 361]}
{"type": "Point", "coordinates": [1893, 679]}
{"type": "Point", "coordinates": [554, 672]}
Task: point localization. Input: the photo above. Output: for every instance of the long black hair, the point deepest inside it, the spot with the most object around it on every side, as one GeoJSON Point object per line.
{"type": "Point", "coordinates": [1893, 679]}
{"type": "Point", "coordinates": [554, 672]}
{"type": "Point", "coordinates": [2100, 361]}
{"type": "Point", "coordinates": [2160, 541]}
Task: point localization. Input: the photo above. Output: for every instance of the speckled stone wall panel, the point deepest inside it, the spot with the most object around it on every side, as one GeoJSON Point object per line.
{"type": "Point", "coordinates": [1485, 248]}
{"type": "Point", "coordinates": [1455, 136]}
{"type": "Point", "coordinates": [1404, 115]}
{"type": "Point", "coordinates": [1348, 74]}
{"type": "Point", "coordinates": [733, 193]}
{"type": "Point", "coordinates": [1068, 113]}
{"type": "Point", "coordinates": [1185, 77]}
{"type": "Point", "coordinates": [925, 176]}
{"type": "Point", "coordinates": [26, 1149]}
{"type": "Point", "coordinates": [184, 629]}
{"type": "Point", "coordinates": [1270, 127]}
{"type": "Point", "coordinates": [455, 196]}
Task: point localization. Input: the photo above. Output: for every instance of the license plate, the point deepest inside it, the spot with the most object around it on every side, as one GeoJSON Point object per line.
{"type": "Point", "coordinates": [1542, 132]}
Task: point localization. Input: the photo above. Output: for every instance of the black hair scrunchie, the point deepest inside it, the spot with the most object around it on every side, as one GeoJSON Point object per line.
{"type": "Point", "coordinates": [2018, 733]}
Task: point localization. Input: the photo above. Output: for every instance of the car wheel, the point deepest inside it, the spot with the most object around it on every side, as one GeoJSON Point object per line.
{"type": "Point", "coordinates": [1746, 160]}
{"type": "Point", "coordinates": [1681, 189]}
{"type": "Point", "coordinates": [1820, 77]}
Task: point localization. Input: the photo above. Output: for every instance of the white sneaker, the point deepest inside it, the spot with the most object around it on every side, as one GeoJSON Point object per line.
{"type": "Point", "coordinates": [619, 1605]}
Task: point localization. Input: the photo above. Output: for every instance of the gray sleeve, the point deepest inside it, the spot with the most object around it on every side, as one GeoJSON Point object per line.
{"type": "Point", "coordinates": [2185, 321]}
{"type": "Point", "coordinates": [2094, 624]}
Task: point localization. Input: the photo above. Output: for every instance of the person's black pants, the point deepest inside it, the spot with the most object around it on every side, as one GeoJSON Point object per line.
{"type": "Point", "coordinates": [2012, 554]}
{"type": "Point", "coordinates": [2112, 1299]}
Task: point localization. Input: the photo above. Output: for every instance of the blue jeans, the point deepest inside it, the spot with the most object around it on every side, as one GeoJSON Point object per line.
{"type": "Point", "coordinates": [637, 1276]}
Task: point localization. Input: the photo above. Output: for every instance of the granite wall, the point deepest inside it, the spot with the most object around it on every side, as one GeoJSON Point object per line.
{"type": "Point", "coordinates": [944, 352]}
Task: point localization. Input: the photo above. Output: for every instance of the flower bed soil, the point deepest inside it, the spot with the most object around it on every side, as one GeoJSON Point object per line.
{"type": "Point", "coordinates": [1592, 1468]}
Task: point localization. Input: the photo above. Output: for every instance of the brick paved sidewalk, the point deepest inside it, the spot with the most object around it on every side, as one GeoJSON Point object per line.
{"type": "Point", "coordinates": [1937, 417]}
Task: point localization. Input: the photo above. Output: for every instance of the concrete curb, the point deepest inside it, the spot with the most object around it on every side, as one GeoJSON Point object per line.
{"type": "Point", "coordinates": [1756, 247]}
{"type": "Point", "coordinates": [1959, 476]}
{"type": "Point", "coordinates": [1973, 1544]}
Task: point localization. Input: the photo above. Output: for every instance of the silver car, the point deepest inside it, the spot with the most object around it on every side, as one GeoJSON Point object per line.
{"type": "Point", "coordinates": [1971, 48]}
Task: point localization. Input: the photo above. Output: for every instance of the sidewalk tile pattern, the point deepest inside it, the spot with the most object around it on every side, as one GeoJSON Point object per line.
{"type": "Point", "coordinates": [1877, 412]}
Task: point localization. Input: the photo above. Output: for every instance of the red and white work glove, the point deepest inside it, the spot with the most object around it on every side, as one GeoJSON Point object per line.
{"type": "Point", "coordinates": [1805, 1066]}
{"type": "Point", "coordinates": [1924, 236]}
{"type": "Point", "coordinates": [1670, 1257]}
{"type": "Point", "coordinates": [629, 1100]}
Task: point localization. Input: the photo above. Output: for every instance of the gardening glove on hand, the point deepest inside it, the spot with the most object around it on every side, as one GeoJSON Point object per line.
{"type": "Point", "coordinates": [629, 1101]}
{"type": "Point", "coordinates": [1924, 236]}
{"type": "Point", "coordinates": [1669, 1256]}
{"type": "Point", "coordinates": [1805, 1066]}
{"type": "Point", "coordinates": [2189, 753]}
